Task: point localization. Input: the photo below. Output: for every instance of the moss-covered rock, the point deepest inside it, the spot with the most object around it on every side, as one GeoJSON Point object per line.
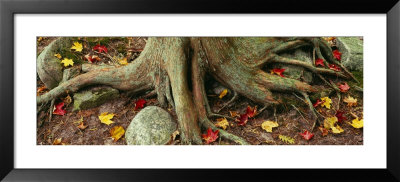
{"type": "Point", "coordinates": [297, 72]}
{"type": "Point", "coordinates": [151, 126]}
{"type": "Point", "coordinates": [94, 97]}
{"type": "Point", "coordinates": [352, 52]}
{"type": "Point", "coordinates": [48, 67]}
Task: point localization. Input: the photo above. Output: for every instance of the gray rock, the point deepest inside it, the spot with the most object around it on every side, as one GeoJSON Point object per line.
{"type": "Point", "coordinates": [94, 97]}
{"type": "Point", "coordinates": [49, 67]}
{"type": "Point", "coordinates": [297, 72]}
{"type": "Point", "coordinates": [352, 52]}
{"type": "Point", "coordinates": [151, 126]}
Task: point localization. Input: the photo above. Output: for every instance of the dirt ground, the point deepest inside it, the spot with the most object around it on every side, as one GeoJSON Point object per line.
{"type": "Point", "coordinates": [291, 121]}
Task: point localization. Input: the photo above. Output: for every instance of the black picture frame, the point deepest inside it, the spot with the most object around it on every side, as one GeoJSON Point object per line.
{"type": "Point", "coordinates": [9, 8]}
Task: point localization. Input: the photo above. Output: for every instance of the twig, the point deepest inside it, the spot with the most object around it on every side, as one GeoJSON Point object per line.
{"type": "Point", "coordinates": [300, 113]}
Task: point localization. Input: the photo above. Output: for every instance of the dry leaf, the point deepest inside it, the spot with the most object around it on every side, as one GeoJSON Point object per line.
{"type": "Point", "coordinates": [350, 101]}
{"type": "Point", "coordinates": [223, 93]}
{"type": "Point", "coordinates": [117, 132]}
{"type": "Point", "coordinates": [57, 141]}
{"type": "Point", "coordinates": [222, 123]}
{"type": "Point", "coordinates": [234, 113]}
{"type": "Point", "coordinates": [357, 123]}
{"type": "Point", "coordinates": [268, 125]}
{"type": "Point", "coordinates": [326, 102]}
{"type": "Point", "coordinates": [106, 118]}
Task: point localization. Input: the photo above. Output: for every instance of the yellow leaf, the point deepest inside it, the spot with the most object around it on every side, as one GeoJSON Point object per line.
{"type": "Point", "coordinates": [106, 118]}
{"type": "Point", "coordinates": [357, 123]}
{"type": "Point", "coordinates": [223, 93]}
{"type": "Point", "coordinates": [117, 132]}
{"type": "Point", "coordinates": [268, 125]}
{"type": "Point", "coordinates": [123, 61]}
{"type": "Point", "coordinates": [40, 39]}
{"type": "Point", "coordinates": [77, 46]}
{"type": "Point", "coordinates": [67, 62]}
{"type": "Point", "coordinates": [57, 141]}
{"type": "Point", "coordinates": [58, 56]}
{"type": "Point", "coordinates": [337, 129]}
{"type": "Point", "coordinates": [286, 139]}
{"type": "Point", "coordinates": [222, 123]}
{"type": "Point", "coordinates": [330, 122]}
{"type": "Point", "coordinates": [327, 102]}
{"type": "Point", "coordinates": [350, 101]}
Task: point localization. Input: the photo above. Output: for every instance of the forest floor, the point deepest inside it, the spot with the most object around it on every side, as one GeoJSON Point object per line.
{"type": "Point", "coordinates": [292, 119]}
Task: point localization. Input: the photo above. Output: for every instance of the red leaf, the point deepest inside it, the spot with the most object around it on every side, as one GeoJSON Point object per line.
{"type": "Point", "coordinates": [337, 54]}
{"type": "Point", "coordinates": [251, 111]}
{"type": "Point", "coordinates": [100, 48]}
{"type": "Point", "coordinates": [318, 102]}
{"type": "Point", "coordinates": [340, 117]}
{"type": "Point", "coordinates": [210, 136]}
{"type": "Point", "coordinates": [344, 87]}
{"type": "Point", "coordinates": [334, 67]}
{"type": "Point", "coordinates": [139, 104]}
{"type": "Point", "coordinates": [59, 109]}
{"type": "Point", "coordinates": [243, 119]}
{"type": "Point", "coordinates": [307, 135]}
{"type": "Point", "coordinates": [92, 58]}
{"type": "Point", "coordinates": [319, 62]}
{"type": "Point", "coordinates": [278, 71]}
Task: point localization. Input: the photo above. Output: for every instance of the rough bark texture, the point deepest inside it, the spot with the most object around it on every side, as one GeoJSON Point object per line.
{"type": "Point", "coordinates": [175, 68]}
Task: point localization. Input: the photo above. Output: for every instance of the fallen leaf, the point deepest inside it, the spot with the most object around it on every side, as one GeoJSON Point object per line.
{"type": "Point", "coordinates": [278, 71]}
{"type": "Point", "coordinates": [307, 135]}
{"type": "Point", "coordinates": [330, 122]}
{"type": "Point", "coordinates": [350, 101]}
{"type": "Point", "coordinates": [243, 119]}
{"type": "Point", "coordinates": [234, 113]}
{"type": "Point", "coordinates": [67, 100]}
{"type": "Point", "coordinates": [268, 125]}
{"type": "Point", "coordinates": [324, 131]}
{"type": "Point", "coordinates": [337, 129]}
{"type": "Point", "coordinates": [117, 132]}
{"type": "Point", "coordinates": [339, 116]}
{"type": "Point", "coordinates": [92, 58]}
{"type": "Point", "coordinates": [57, 141]}
{"type": "Point", "coordinates": [317, 103]}
{"type": "Point", "coordinates": [123, 61]}
{"type": "Point", "coordinates": [57, 56]}
{"type": "Point", "coordinates": [222, 123]}
{"type": "Point", "coordinates": [77, 46]}
{"type": "Point", "coordinates": [286, 139]}
{"type": "Point", "coordinates": [58, 109]}
{"type": "Point", "coordinates": [223, 93]}
{"type": "Point", "coordinates": [334, 67]}
{"type": "Point", "coordinates": [82, 126]}
{"type": "Point", "coordinates": [41, 89]}
{"type": "Point", "coordinates": [344, 87]}
{"type": "Point", "coordinates": [140, 104]}
{"type": "Point", "coordinates": [337, 54]}
{"type": "Point", "coordinates": [357, 123]}
{"type": "Point", "coordinates": [40, 39]}
{"type": "Point", "coordinates": [100, 48]}
{"type": "Point", "coordinates": [251, 111]}
{"type": "Point", "coordinates": [174, 134]}
{"type": "Point", "coordinates": [319, 62]}
{"type": "Point", "coordinates": [67, 62]}
{"type": "Point", "coordinates": [329, 38]}
{"type": "Point", "coordinates": [326, 102]}
{"type": "Point", "coordinates": [106, 118]}
{"type": "Point", "coordinates": [211, 136]}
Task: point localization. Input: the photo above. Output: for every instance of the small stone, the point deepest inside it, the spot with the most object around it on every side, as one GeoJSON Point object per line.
{"type": "Point", "coordinates": [94, 97]}
{"type": "Point", "coordinates": [151, 126]}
